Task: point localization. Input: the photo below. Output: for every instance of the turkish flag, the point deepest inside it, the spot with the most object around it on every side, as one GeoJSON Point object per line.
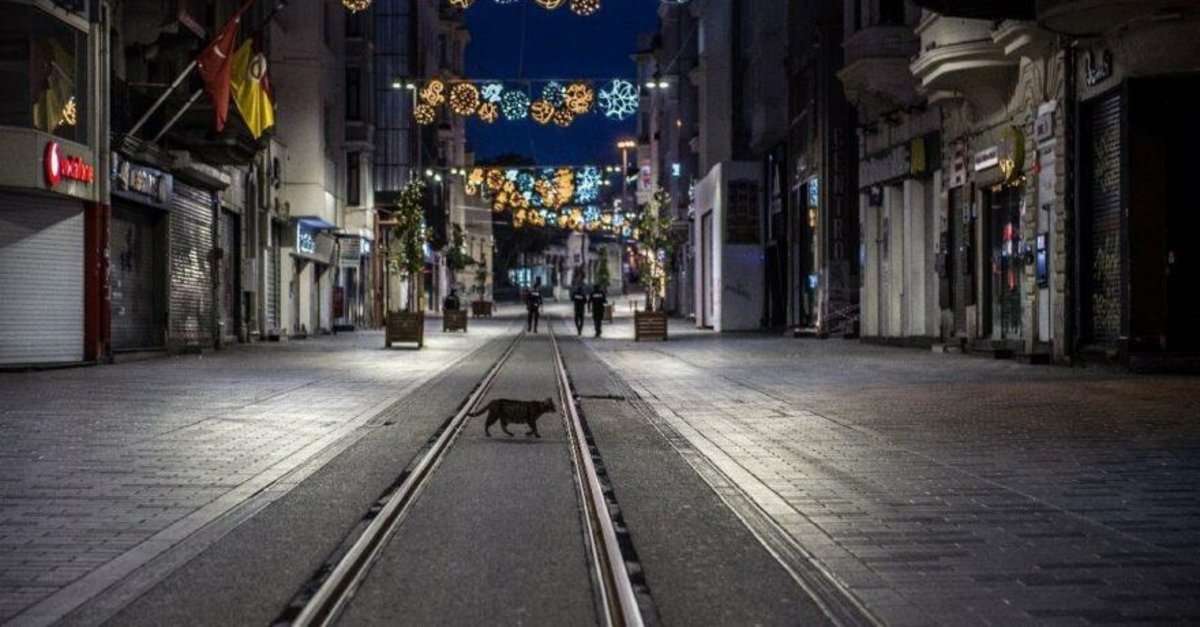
{"type": "Point", "coordinates": [214, 65]}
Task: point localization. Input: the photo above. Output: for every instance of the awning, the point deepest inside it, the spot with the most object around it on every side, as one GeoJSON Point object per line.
{"type": "Point", "coordinates": [982, 9]}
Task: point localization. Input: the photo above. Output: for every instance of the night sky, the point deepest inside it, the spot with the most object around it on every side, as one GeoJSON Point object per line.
{"type": "Point", "coordinates": [558, 44]}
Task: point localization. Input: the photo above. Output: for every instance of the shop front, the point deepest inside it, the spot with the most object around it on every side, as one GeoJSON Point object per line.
{"type": "Point", "coordinates": [141, 202]}
{"type": "Point", "coordinates": [52, 220]}
{"type": "Point", "coordinates": [311, 285]}
{"type": "Point", "coordinates": [352, 289]}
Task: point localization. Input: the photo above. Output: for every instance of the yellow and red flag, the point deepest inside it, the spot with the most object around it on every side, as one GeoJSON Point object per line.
{"type": "Point", "coordinates": [250, 88]}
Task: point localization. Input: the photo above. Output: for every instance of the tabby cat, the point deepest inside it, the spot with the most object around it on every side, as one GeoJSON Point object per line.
{"type": "Point", "coordinates": [508, 410]}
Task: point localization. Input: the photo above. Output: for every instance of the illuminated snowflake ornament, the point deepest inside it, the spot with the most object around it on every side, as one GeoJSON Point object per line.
{"type": "Point", "coordinates": [585, 7]}
{"type": "Point", "coordinates": [489, 112]}
{"type": "Point", "coordinates": [587, 185]}
{"type": "Point", "coordinates": [541, 111]}
{"type": "Point", "coordinates": [554, 93]}
{"type": "Point", "coordinates": [619, 101]}
{"type": "Point", "coordinates": [579, 98]}
{"type": "Point", "coordinates": [514, 105]}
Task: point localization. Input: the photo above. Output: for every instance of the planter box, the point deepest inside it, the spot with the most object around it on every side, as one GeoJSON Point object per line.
{"type": "Point", "coordinates": [454, 320]}
{"type": "Point", "coordinates": [405, 327]}
{"type": "Point", "coordinates": [649, 325]}
{"type": "Point", "coordinates": [481, 308]}
{"type": "Point", "coordinates": [608, 312]}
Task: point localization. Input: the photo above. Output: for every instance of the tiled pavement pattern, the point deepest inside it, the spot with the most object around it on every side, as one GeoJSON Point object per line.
{"type": "Point", "coordinates": [102, 469]}
{"type": "Point", "coordinates": [947, 489]}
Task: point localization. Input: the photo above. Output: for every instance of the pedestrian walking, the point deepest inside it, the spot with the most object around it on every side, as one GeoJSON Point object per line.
{"type": "Point", "coordinates": [580, 300]}
{"type": "Point", "coordinates": [598, 299]}
{"type": "Point", "coordinates": [533, 305]}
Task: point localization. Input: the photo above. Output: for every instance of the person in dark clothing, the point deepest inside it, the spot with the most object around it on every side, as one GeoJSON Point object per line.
{"type": "Point", "coordinates": [450, 303]}
{"type": "Point", "coordinates": [533, 304]}
{"type": "Point", "coordinates": [598, 299]}
{"type": "Point", "coordinates": [580, 300]}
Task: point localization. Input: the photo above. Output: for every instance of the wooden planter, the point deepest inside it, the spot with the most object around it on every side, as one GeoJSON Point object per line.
{"type": "Point", "coordinates": [649, 325]}
{"type": "Point", "coordinates": [405, 327]}
{"type": "Point", "coordinates": [454, 320]}
{"type": "Point", "coordinates": [608, 312]}
{"type": "Point", "coordinates": [481, 308]}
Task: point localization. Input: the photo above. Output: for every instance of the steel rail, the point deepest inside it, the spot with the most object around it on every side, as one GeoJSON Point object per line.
{"type": "Point", "coordinates": [617, 597]}
{"type": "Point", "coordinates": [338, 588]}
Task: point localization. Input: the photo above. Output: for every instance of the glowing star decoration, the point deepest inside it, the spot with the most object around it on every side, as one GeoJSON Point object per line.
{"type": "Point", "coordinates": [491, 92]}
{"type": "Point", "coordinates": [434, 93]}
{"type": "Point", "coordinates": [356, 5]}
{"type": "Point", "coordinates": [550, 5]}
{"type": "Point", "coordinates": [514, 105]}
{"type": "Point", "coordinates": [554, 93]}
{"type": "Point", "coordinates": [464, 99]}
{"type": "Point", "coordinates": [563, 117]}
{"type": "Point", "coordinates": [620, 100]}
{"type": "Point", "coordinates": [541, 111]}
{"type": "Point", "coordinates": [489, 112]}
{"type": "Point", "coordinates": [585, 7]}
{"type": "Point", "coordinates": [461, 4]}
{"type": "Point", "coordinates": [424, 114]}
{"type": "Point", "coordinates": [587, 184]}
{"type": "Point", "coordinates": [579, 98]}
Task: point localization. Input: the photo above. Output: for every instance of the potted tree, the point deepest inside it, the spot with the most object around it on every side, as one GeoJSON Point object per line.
{"type": "Point", "coordinates": [406, 256]}
{"type": "Point", "coordinates": [481, 306]}
{"type": "Point", "coordinates": [456, 261]}
{"type": "Point", "coordinates": [654, 250]}
{"type": "Point", "coordinates": [603, 279]}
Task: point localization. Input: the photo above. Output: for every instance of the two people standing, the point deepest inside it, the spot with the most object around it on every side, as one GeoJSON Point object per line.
{"type": "Point", "coordinates": [597, 299]}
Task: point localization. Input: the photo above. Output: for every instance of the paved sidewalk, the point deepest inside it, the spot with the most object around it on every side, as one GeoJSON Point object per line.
{"type": "Point", "coordinates": [103, 469]}
{"type": "Point", "coordinates": [941, 489]}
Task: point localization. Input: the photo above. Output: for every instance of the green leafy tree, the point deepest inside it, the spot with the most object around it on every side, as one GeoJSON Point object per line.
{"type": "Point", "coordinates": [656, 245]}
{"type": "Point", "coordinates": [603, 276]}
{"type": "Point", "coordinates": [454, 253]}
{"type": "Point", "coordinates": [408, 235]}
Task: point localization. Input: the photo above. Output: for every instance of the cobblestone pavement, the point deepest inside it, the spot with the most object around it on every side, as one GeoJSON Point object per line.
{"type": "Point", "coordinates": [946, 489]}
{"type": "Point", "coordinates": [103, 469]}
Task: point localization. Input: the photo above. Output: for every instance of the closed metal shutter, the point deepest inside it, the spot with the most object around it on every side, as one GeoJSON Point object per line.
{"type": "Point", "coordinates": [191, 267]}
{"type": "Point", "coordinates": [1103, 221]}
{"type": "Point", "coordinates": [134, 260]}
{"type": "Point", "coordinates": [961, 262]}
{"type": "Point", "coordinates": [273, 280]}
{"type": "Point", "coordinates": [230, 262]}
{"type": "Point", "coordinates": [41, 280]}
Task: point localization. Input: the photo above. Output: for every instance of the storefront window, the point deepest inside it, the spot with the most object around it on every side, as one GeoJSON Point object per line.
{"type": "Point", "coordinates": [43, 70]}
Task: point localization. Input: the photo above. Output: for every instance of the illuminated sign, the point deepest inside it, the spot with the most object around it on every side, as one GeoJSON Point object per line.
{"type": "Point", "coordinates": [71, 167]}
{"type": "Point", "coordinates": [306, 239]}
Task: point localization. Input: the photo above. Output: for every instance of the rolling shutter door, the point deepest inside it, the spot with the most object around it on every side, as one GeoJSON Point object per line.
{"type": "Point", "coordinates": [191, 267]}
{"type": "Point", "coordinates": [1104, 221]}
{"type": "Point", "coordinates": [133, 259]}
{"type": "Point", "coordinates": [41, 280]}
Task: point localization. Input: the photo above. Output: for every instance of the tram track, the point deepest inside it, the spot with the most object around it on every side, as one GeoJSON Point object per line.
{"type": "Point", "coordinates": [331, 591]}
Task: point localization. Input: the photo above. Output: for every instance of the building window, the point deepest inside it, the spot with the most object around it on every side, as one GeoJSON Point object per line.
{"type": "Point", "coordinates": [354, 24]}
{"type": "Point", "coordinates": [353, 180]}
{"type": "Point", "coordinates": [353, 93]}
{"type": "Point", "coordinates": [44, 72]}
{"type": "Point", "coordinates": [891, 12]}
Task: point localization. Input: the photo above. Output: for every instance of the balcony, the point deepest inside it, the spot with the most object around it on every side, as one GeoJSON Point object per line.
{"type": "Point", "coordinates": [1086, 17]}
{"type": "Point", "coordinates": [876, 76]}
{"type": "Point", "coordinates": [959, 59]}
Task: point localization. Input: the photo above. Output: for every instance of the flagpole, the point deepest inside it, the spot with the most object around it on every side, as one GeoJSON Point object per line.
{"type": "Point", "coordinates": [161, 99]}
{"type": "Point", "coordinates": [184, 74]}
{"type": "Point", "coordinates": [178, 114]}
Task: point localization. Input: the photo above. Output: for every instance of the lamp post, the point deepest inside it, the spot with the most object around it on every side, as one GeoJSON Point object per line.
{"type": "Point", "coordinates": [625, 145]}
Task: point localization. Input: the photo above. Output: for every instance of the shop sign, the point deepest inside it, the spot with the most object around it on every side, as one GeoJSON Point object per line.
{"type": "Point", "coordinates": [1097, 66]}
{"type": "Point", "coordinates": [987, 158]}
{"type": "Point", "coordinates": [958, 170]}
{"type": "Point", "coordinates": [1011, 152]}
{"type": "Point", "coordinates": [57, 167]}
{"type": "Point", "coordinates": [890, 165]}
{"type": "Point", "coordinates": [306, 239]}
{"type": "Point", "coordinates": [154, 184]}
{"type": "Point", "coordinates": [1043, 126]}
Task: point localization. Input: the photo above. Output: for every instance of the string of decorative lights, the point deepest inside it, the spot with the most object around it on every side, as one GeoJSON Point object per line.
{"type": "Point", "coordinates": [578, 7]}
{"type": "Point", "coordinates": [546, 101]}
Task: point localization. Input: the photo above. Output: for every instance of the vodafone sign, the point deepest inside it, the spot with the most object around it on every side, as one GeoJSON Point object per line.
{"type": "Point", "coordinates": [72, 168]}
